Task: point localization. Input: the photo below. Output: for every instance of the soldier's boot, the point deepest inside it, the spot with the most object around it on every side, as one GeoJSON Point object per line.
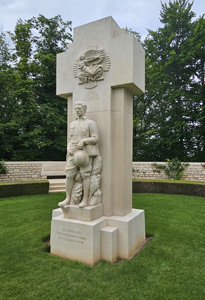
{"type": "Point", "coordinates": [69, 186]}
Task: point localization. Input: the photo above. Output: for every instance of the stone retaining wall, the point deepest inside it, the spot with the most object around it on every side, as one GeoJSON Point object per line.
{"type": "Point", "coordinates": [142, 170]}
{"type": "Point", "coordinates": [22, 171]}
{"type": "Point", "coordinates": [145, 170]}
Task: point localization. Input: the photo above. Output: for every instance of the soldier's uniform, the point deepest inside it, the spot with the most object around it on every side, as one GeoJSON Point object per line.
{"type": "Point", "coordinates": [84, 130]}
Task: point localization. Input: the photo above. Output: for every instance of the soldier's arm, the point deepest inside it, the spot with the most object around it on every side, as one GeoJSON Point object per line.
{"type": "Point", "coordinates": [93, 139]}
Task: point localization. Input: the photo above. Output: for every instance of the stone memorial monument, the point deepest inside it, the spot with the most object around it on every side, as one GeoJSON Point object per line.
{"type": "Point", "coordinates": [98, 75]}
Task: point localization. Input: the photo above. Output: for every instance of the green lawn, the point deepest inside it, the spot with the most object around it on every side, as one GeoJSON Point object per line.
{"type": "Point", "coordinates": [171, 266]}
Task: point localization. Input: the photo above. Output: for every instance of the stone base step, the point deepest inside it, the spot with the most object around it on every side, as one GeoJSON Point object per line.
{"type": "Point", "coordinates": [56, 185]}
{"type": "Point", "coordinates": [109, 243]}
{"type": "Point", "coordinates": [92, 240]}
{"type": "Point", "coordinates": [57, 191]}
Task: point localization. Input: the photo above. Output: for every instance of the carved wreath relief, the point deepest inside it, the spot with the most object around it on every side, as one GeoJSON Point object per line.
{"type": "Point", "coordinates": [90, 67]}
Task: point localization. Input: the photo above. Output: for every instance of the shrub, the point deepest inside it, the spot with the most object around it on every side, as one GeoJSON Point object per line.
{"type": "Point", "coordinates": [174, 168]}
{"type": "Point", "coordinates": [3, 168]}
{"type": "Point", "coordinates": [176, 188]}
{"type": "Point", "coordinates": [10, 189]}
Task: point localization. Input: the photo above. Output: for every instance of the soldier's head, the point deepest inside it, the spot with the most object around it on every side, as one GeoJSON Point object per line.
{"type": "Point", "coordinates": [80, 108]}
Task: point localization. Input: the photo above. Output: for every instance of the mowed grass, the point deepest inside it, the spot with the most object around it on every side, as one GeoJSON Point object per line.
{"type": "Point", "coordinates": [171, 266]}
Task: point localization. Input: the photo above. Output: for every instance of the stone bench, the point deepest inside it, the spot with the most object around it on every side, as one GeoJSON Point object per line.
{"type": "Point", "coordinates": [53, 170]}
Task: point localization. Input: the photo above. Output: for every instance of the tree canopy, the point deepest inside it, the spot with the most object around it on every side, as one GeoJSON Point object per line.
{"type": "Point", "coordinates": [33, 118]}
{"type": "Point", "coordinates": [169, 118]}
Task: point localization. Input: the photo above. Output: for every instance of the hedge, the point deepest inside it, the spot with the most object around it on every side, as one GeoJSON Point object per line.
{"type": "Point", "coordinates": [20, 188]}
{"type": "Point", "coordinates": [191, 189]}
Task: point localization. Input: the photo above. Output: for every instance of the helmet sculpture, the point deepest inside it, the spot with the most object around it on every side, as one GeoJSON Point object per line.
{"type": "Point", "coordinates": [81, 158]}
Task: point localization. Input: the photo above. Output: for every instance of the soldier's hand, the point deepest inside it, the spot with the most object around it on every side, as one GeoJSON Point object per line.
{"type": "Point", "coordinates": [70, 153]}
{"type": "Point", "coordinates": [80, 145]}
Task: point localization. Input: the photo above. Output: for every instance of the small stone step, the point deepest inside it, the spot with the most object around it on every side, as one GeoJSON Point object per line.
{"type": "Point", "coordinates": [56, 184]}
{"type": "Point", "coordinates": [56, 181]}
{"type": "Point", "coordinates": [57, 187]}
{"type": "Point", "coordinates": [109, 243]}
{"type": "Point", "coordinates": [56, 191]}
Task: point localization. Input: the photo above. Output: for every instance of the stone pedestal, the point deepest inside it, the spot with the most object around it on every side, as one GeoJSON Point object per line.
{"type": "Point", "coordinates": [105, 238]}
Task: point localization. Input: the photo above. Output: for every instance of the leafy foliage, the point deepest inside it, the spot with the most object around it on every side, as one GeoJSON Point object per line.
{"type": "Point", "coordinates": [170, 117]}
{"type": "Point", "coordinates": [3, 168]}
{"type": "Point", "coordinates": [33, 118]}
{"type": "Point", "coordinates": [168, 120]}
{"type": "Point", "coordinates": [174, 168]}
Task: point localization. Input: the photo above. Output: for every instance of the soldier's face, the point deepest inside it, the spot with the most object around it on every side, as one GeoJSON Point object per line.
{"type": "Point", "coordinates": [79, 110]}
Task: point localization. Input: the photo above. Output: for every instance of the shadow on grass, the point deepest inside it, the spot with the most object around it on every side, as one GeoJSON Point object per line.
{"type": "Point", "coordinates": [46, 241]}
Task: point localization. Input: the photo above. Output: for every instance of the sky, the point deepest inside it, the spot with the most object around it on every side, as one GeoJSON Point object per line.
{"type": "Point", "coordinates": [136, 14]}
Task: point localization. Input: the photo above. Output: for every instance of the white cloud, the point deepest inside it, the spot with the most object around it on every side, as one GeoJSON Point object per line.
{"type": "Point", "coordinates": [135, 14]}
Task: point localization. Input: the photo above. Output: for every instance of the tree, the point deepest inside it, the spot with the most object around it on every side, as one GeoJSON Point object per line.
{"type": "Point", "coordinates": [168, 119]}
{"type": "Point", "coordinates": [40, 116]}
{"type": "Point", "coordinates": [8, 112]}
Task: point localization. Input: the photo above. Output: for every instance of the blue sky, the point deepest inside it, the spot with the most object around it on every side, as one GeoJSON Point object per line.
{"type": "Point", "coordinates": [136, 14]}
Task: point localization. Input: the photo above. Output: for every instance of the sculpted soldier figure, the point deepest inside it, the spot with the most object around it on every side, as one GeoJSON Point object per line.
{"type": "Point", "coordinates": [82, 148]}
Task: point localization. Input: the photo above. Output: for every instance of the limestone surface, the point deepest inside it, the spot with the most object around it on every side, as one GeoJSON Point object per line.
{"type": "Point", "coordinates": [103, 68]}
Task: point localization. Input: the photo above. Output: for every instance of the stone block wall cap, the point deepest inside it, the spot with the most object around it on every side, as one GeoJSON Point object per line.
{"type": "Point", "coordinates": [130, 87]}
{"type": "Point", "coordinates": [64, 96]}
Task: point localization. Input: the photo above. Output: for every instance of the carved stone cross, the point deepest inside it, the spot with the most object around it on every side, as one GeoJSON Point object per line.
{"type": "Point", "coordinates": [104, 67]}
